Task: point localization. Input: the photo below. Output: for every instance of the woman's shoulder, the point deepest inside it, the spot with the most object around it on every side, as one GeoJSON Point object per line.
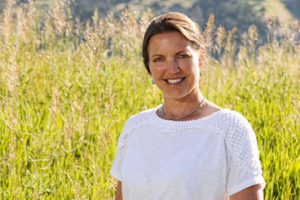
{"type": "Point", "coordinates": [236, 118]}
{"type": "Point", "coordinates": [143, 115]}
{"type": "Point", "coordinates": [136, 121]}
{"type": "Point", "coordinates": [225, 116]}
{"type": "Point", "coordinates": [222, 113]}
{"type": "Point", "coordinates": [139, 118]}
{"type": "Point", "coordinates": [229, 121]}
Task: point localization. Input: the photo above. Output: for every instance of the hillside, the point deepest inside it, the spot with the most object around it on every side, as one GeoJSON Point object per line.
{"type": "Point", "coordinates": [230, 14]}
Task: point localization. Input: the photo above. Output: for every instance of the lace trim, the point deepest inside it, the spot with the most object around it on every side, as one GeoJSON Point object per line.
{"type": "Point", "coordinates": [242, 144]}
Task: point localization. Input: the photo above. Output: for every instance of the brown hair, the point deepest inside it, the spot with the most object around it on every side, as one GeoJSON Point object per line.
{"type": "Point", "coordinates": [171, 22]}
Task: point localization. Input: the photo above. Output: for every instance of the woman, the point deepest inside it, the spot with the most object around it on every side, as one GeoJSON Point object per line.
{"type": "Point", "coordinates": [187, 148]}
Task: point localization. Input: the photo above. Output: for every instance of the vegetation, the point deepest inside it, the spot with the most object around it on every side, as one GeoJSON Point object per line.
{"type": "Point", "coordinates": [230, 13]}
{"type": "Point", "coordinates": [67, 88]}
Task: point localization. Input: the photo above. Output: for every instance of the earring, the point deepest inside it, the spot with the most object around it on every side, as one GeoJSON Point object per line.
{"type": "Point", "coordinates": [152, 81]}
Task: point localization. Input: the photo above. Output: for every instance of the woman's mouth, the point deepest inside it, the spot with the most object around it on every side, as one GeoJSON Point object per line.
{"type": "Point", "coordinates": [174, 81]}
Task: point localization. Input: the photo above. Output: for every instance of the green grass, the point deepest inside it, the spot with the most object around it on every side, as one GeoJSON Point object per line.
{"type": "Point", "coordinates": [64, 102]}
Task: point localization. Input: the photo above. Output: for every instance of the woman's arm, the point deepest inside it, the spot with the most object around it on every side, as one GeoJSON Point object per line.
{"type": "Point", "coordinates": [254, 192]}
{"type": "Point", "coordinates": [119, 195]}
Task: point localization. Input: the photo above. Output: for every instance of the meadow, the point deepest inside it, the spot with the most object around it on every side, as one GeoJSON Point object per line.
{"type": "Point", "coordinates": [67, 88]}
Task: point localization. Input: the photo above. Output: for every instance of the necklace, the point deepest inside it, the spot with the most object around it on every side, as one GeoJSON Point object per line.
{"type": "Point", "coordinates": [200, 105]}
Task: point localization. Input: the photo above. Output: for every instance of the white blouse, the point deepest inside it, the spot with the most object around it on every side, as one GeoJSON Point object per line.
{"type": "Point", "coordinates": [209, 158]}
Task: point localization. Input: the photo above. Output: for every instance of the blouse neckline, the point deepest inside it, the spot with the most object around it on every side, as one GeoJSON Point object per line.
{"type": "Point", "coordinates": [185, 122]}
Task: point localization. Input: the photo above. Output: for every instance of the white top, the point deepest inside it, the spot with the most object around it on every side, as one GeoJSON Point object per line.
{"type": "Point", "coordinates": [209, 158]}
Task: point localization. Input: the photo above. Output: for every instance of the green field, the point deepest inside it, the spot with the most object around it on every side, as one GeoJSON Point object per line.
{"type": "Point", "coordinates": [67, 88]}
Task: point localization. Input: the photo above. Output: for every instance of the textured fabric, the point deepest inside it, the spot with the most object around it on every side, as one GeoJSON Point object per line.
{"type": "Point", "coordinates": [209, 158]}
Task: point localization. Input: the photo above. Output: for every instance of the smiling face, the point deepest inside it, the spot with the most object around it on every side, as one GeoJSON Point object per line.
{"type": "Point", "coordinates": [174, 65]}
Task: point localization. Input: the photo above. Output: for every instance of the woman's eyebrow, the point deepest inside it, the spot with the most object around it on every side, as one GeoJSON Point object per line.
{"type": "Point", "coordinates": [183, 51]}
{"type": "Point", "coordinates": [156, 55]}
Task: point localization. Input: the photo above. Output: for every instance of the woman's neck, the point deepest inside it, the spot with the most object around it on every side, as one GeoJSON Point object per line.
{"type": "Point", "coordinates": [185, 108]}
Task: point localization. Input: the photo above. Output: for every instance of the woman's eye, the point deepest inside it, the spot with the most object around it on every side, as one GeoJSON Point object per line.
{"type": "Point", "coordinates": [157, 59]}
{"type": "Point", "coordinates": [182, 56]}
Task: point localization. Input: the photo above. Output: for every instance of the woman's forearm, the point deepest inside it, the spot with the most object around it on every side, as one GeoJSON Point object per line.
{"type": "Point", "coordinates": [119, 195]}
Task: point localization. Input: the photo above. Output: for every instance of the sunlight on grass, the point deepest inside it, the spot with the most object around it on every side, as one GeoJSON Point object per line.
{"type": "Point", "coordinates": [67, 88]}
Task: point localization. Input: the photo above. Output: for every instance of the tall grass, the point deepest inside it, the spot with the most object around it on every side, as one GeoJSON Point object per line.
{"type": "Point", "coordinates": [67, 88]}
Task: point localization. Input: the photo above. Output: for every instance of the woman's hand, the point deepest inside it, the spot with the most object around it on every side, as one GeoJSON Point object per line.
{"type": "Point", "coordinates": [254, 192]}
{"type": "Point", "coordinates": [119, 195]}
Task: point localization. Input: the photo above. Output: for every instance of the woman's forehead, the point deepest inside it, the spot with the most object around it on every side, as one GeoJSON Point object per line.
{"type": "Point", "coordinates": [172, 41]}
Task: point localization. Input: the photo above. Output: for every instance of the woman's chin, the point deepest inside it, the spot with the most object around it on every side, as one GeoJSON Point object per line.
{"type": "Point", "coordinates": [175, 96]}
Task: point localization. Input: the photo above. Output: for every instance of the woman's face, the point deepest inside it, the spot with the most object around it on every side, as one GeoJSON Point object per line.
{"type": "Point", "coordinates": [174, 64]}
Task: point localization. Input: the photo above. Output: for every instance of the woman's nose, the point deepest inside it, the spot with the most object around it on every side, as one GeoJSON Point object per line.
{"type": "Point", "coordinates": [173, 65]}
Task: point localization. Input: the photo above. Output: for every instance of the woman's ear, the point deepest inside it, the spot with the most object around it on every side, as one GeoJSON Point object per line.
{"type": "Point", "coordinates": [201, 57]}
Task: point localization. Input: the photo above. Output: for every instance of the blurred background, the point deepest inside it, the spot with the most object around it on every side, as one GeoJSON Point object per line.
{"type": "Point", "coordinates": [71, 74]}
{"type": "Point", "coordinates": [230, 13]}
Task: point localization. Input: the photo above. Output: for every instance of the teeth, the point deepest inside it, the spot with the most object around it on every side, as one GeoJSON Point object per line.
{"type": "Point", "coordinates": [173, 81]}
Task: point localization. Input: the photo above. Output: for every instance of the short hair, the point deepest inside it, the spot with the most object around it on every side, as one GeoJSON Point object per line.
{"type": "Point", "coordinates": [171, 22]}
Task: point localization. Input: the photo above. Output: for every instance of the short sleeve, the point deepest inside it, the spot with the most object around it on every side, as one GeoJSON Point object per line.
{"type": "Point", "coordinates": [116, 169]}
{"type": "Point", "coordinates": [244, 167]}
